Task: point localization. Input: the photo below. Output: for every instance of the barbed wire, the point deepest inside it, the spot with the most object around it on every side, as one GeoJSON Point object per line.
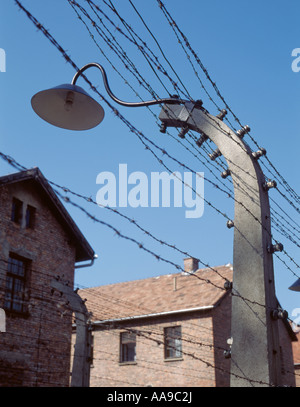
{"type": "Point", "coordinates": [44, 294]}
{"type": "Point", "coordinates": [194, 191]}
{"type": "Point", "coordinates": [46, 33]}
{"type": "Point", "coordinates": [278, 228]}
{"type": "Point", "coordinates": [145, 334]}
{"type": "Point", "coordinates": [141, 333]}
{"type": "Point", "coordinates": [196, 356]}
{"type": "Point", "coordinates": [187, 44]}
{"type": "Point", "coordinates": [139, 134]}
{"type": "Point", "coordinates": [118, 233]}
{"type": "Point", "coordinates": [140, 245]}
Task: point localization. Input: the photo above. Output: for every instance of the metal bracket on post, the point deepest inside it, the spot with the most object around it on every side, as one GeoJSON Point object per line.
{"type": "Point", "coordinates": [227, 352]}
{"type": "Point", "coordinates": [178, 116]}
{"type": "Point", "coordinates": [81, 363]}
{"type": "Point", "coordinates": [255, 348]}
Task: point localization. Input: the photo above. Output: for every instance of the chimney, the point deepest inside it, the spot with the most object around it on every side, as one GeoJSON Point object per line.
{"type": "Point", "coordinates": [190, 265]}
{"type": "Point", "coordinates": [175, 284]}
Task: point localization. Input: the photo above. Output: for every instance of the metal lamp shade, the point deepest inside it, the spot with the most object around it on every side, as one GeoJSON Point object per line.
{"type": "Point", "coordinates": [68, 106]}
{"type": "Point", "coordinates": [295, 286]}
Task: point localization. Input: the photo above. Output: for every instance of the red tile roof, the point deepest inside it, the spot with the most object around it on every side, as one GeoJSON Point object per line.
{"type": "Point", "coordinates": [160, 294]}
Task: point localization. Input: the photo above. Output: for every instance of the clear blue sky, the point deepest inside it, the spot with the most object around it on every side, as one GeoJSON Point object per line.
{"type": "Point", "coordinates": [246, 48]}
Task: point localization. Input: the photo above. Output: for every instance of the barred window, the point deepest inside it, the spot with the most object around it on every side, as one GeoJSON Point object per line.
{"type": "Point", "coordinates": [172, 341]}
{"type": "Point", "coordinates": [14, 299]}
{"type": "Point", "coordinates": [127, 347]}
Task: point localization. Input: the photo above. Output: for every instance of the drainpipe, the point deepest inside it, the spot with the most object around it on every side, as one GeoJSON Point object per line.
{"type": "Point", "coordinates": [87, 265]}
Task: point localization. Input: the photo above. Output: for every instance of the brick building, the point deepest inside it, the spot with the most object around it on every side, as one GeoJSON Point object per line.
{"type": "Point", "coordinates": [39, 244]}
{"type": "Point", "coordinates": [170, 330]}
{"type": "Point", "coordinates": [296, 353]}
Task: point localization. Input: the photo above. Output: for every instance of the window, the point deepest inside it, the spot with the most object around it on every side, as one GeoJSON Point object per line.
{"type": "Point", "coordinates": [127, 347]}
{"type": "Point", "coordinates": [30, 217]}
{"type": "Point", "coordinates": [172, 336]}
{"type": "Point", "coordinates": [16, 212]}
{"type": "Point", "coordinates": [14, 299]}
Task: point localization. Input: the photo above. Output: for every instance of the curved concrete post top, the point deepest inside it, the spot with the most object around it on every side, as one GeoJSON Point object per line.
{"type": "Point", "coordinates": [255, 348]}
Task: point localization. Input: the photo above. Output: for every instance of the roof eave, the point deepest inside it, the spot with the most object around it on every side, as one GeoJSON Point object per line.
{"type": "Point", "coordinates": [154, 315]}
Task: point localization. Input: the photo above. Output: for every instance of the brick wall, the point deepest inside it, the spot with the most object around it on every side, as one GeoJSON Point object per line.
{"type": "Point", "coordinates": [150, 368]}
{"type": "Point", "coordinates": [35, 349]}
{"type": "Point", "coordinates": [204, 339]}
{"type": "Point", "coordinates": [286, 356]}
{"type": "Point", "coordinates": [203, 343]}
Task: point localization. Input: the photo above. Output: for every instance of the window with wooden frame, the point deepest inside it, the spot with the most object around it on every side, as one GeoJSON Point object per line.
{"type": "Point", "coordinates": [16, 279]}
{"type": "Point", "coordinates": [127, 347]}
{"type": "Point", "coordinates": [172, 342]}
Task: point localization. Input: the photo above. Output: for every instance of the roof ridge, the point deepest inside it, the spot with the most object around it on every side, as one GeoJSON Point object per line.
{"type": "Point", "coordinates": [180, 274]}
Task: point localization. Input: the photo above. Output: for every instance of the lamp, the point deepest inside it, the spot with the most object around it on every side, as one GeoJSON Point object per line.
{"type": "Point", "coordinates": [68, 106]}
{"type": "Point", "coordinates": [71, 107]}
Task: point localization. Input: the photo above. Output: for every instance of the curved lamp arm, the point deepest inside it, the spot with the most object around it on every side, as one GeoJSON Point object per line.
{"type": "Point", "coordinates": [70, 107]}
{"type": "Point", "coordinates": [172, 100]}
